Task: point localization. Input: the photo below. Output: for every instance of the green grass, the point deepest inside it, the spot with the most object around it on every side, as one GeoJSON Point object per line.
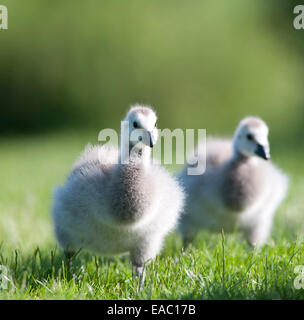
{"type": "Point", "coordinates": [215, 267]}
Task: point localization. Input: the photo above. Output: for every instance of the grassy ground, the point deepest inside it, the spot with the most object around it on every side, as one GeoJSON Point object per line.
{"type": "Point", "coordinates": [214, 267]}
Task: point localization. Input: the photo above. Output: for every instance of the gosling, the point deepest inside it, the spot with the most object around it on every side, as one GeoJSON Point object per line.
{"type": "Point", "coordinates": [240, 188]}
{"type": "Point", "coordinates": [110, 206]}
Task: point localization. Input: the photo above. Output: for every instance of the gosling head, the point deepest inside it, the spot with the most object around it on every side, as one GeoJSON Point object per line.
{"type": "Point", "coordinates": [142, 123]}
{"type": "Point", "coordinates": [251, 138]}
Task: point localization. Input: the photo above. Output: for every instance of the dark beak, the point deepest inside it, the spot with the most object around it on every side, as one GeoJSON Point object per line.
{"type": "Point", "coordinates": [260, 152]}
{"type": "Point", "coordinates": [151, 142]}
{"type": "Point", "coordinates": [152, 139]}
{"type": "Point", "coordinates": [148, 139]}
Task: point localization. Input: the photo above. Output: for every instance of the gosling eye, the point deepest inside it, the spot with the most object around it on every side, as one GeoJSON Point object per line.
{"type": "Point", "coordinates": [250, 137]}
{"type": "Point", "coordinates": [135, 124]}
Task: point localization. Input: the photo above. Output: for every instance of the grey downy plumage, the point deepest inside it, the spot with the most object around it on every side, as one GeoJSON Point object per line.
{"type": "Point", "coordinates": [112, 208]}
{"type": "Point", "coordinates": [240, 188]}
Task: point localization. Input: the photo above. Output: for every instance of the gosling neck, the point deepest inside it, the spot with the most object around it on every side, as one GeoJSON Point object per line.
{"type": "Point", "coordinates": [138, 155]}
{"type": "Point", "coordinates": [239, 157]}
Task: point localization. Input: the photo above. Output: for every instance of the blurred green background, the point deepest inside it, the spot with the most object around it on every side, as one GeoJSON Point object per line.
{"type": "Point", "coordinates": [71, 68]}
{"type": "Point", "coordinates": [201, 64]}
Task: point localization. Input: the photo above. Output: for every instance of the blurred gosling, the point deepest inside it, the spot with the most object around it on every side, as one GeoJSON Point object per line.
{"type": "Point", "coordinates": [240, 187]}
{"type": "Point", "coordinates": [112, 208]}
